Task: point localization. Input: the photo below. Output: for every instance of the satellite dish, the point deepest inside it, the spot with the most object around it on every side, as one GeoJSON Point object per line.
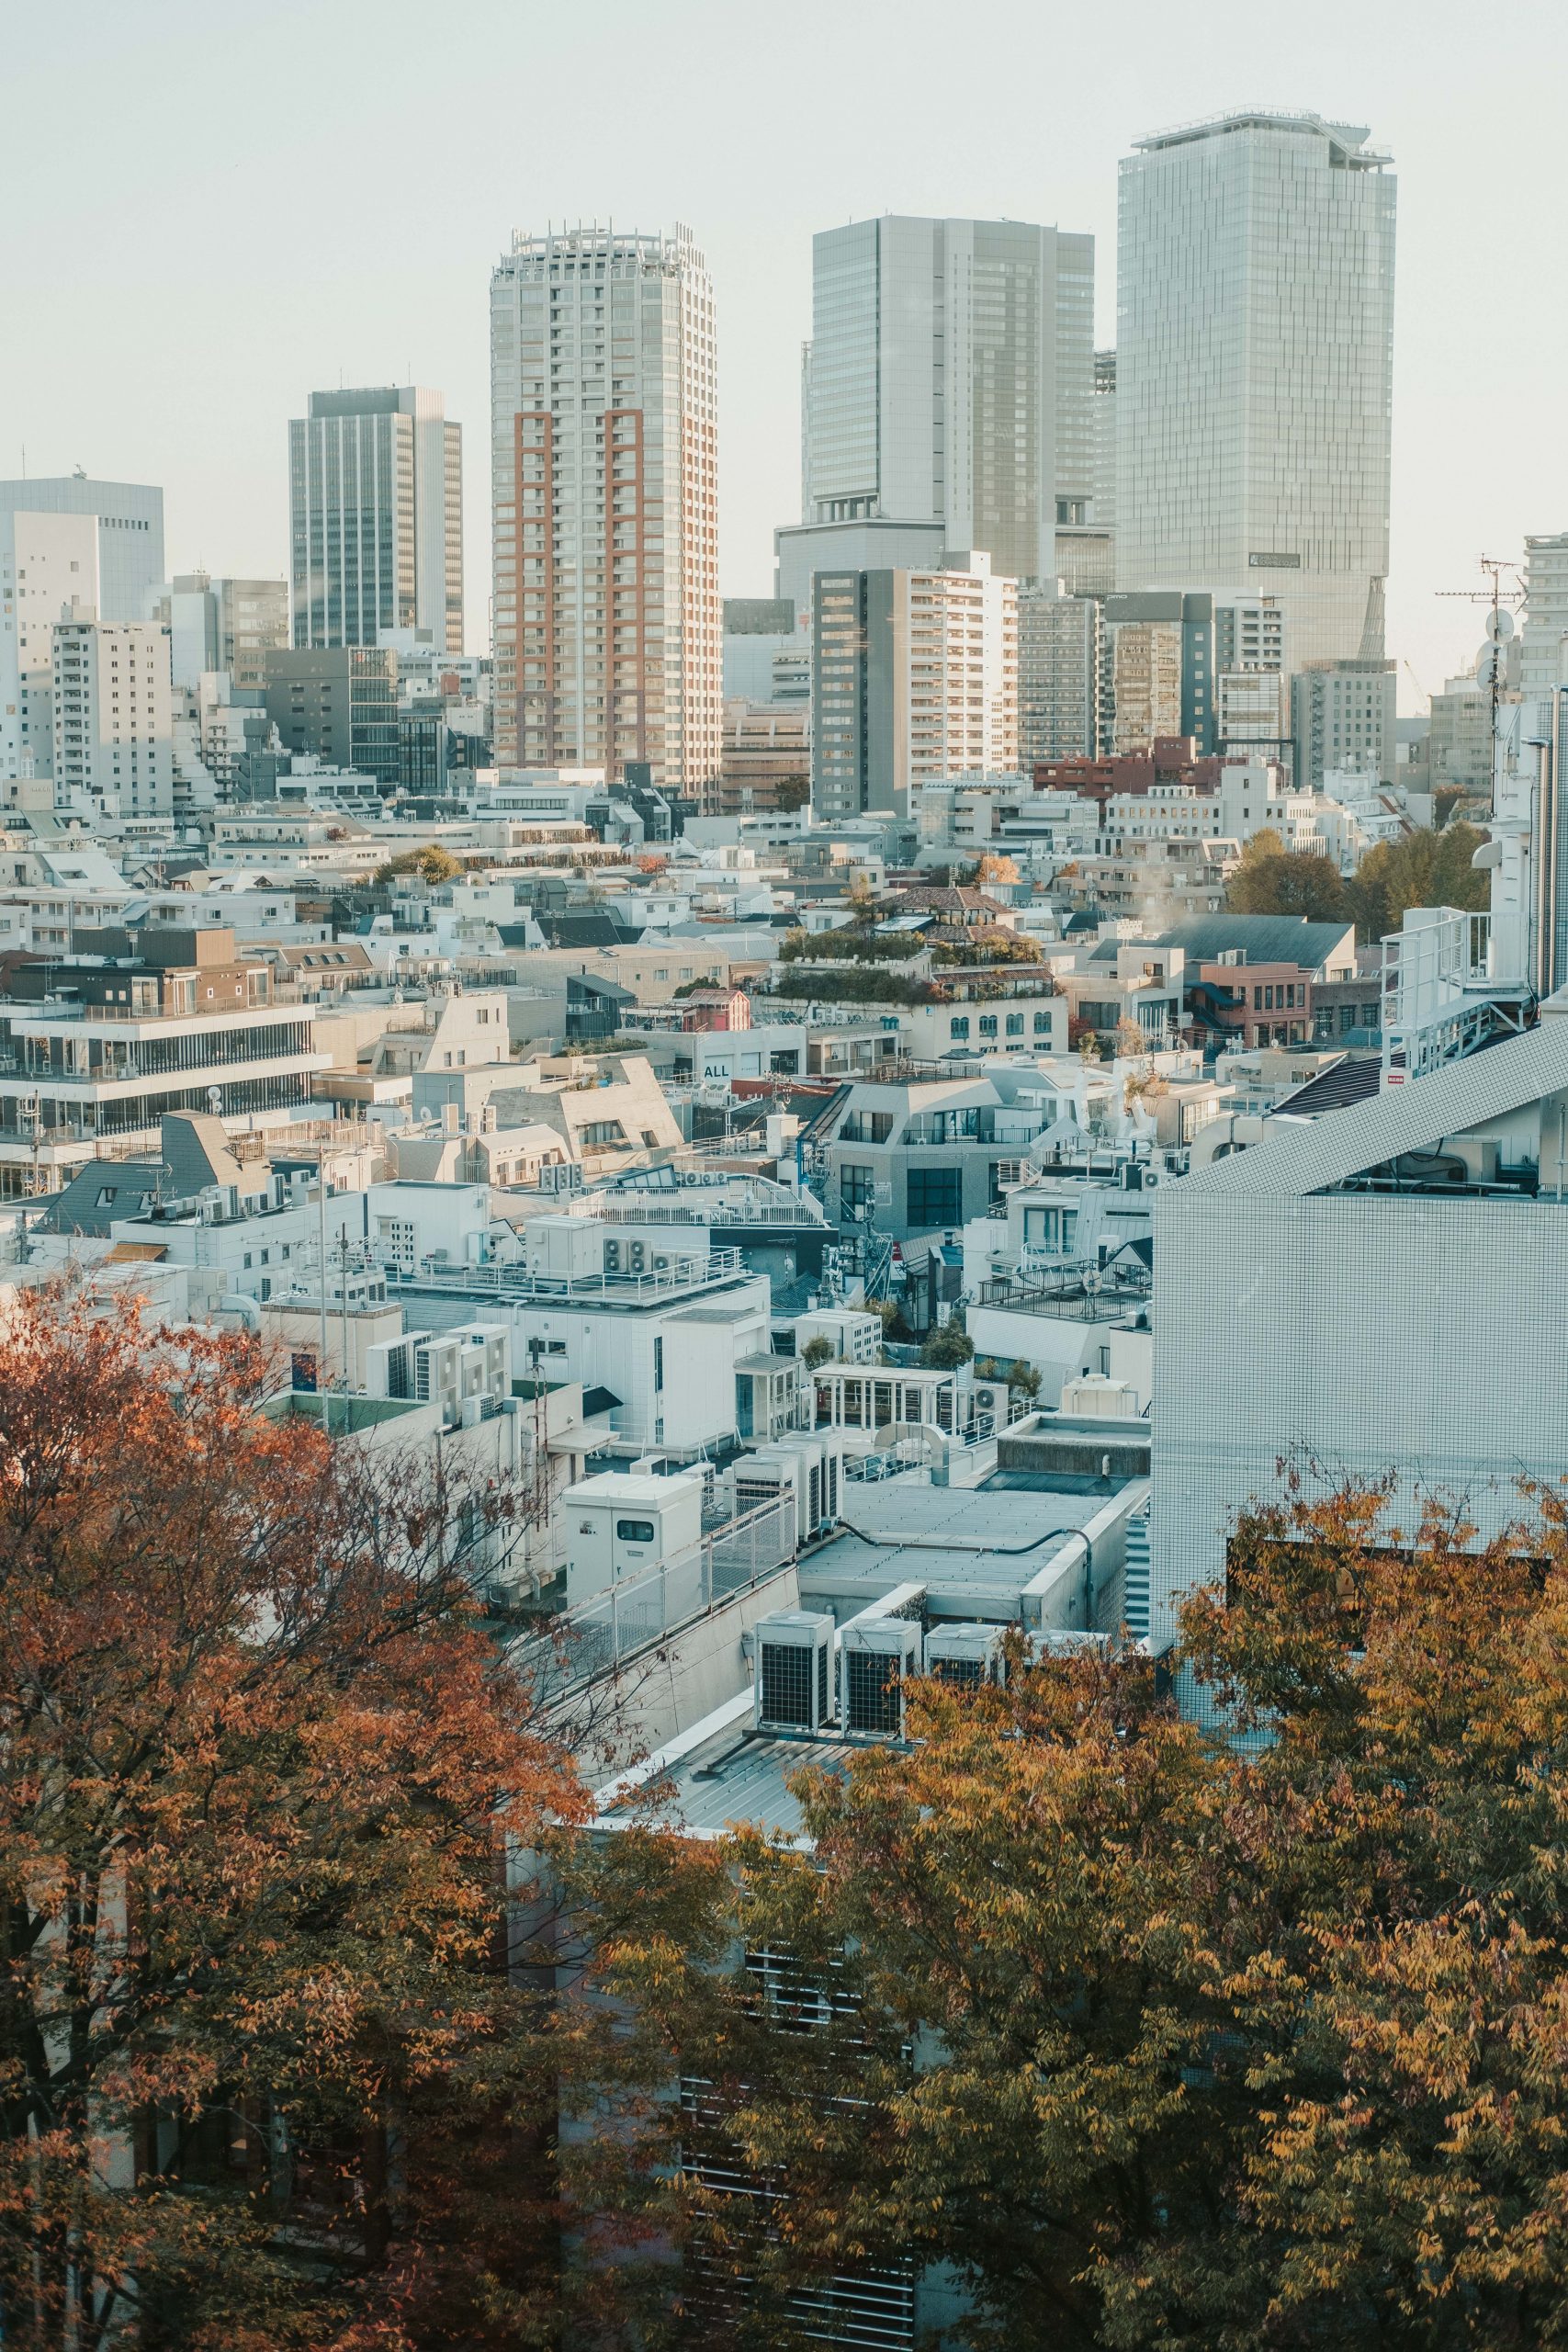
{"type": "Point", "coordinates": [1500, 624]}
{"type": "Point", "coordinates": [1486, 665]}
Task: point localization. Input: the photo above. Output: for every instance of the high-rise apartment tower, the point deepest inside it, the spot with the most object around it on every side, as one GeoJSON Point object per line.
{"type": "Point", "coordinates": [950, 379]}
{"type": "Point", "coordinates": [605, 419]}
{"type": "Point", "coordinates": [376, 518]}
{"type": "Point", "coordinates": [1254, 354]}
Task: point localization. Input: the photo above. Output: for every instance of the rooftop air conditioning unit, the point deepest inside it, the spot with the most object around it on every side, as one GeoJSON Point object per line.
{"type": "Point", "coordinates": [874, 1662]}
{"type": "Point", "coordinates": [966, 1655]}
{"type": "Point", "coordinates": [794, 1690]}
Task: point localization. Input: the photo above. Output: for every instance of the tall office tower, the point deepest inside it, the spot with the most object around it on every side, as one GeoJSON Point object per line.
{"type": "Point", "coordinates": [950, 380]}
{"type": "Point", "coordinates": [375, 518]}
{"type": "Point", "coordinates": [130, 533]}
{"type": "Point", "coordinates": [1058, 676]}
{"type": "Point", "coordinates": [1254, 353]}
{"type": "Point", "coordinates": [605, 416]}
{"type": "Point", "coordinates": [914, 679]}
{"type": "Point", "coordinates": [113, 719]}
{"type": "Point", "coordinates": [48, 563]}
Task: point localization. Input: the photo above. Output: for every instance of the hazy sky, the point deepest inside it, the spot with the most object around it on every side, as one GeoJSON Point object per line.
{"type": "Point", "coordinates": [211, 209]}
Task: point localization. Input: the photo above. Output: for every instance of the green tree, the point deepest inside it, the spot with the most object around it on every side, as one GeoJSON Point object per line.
{"type": "Point", "coordinates": [817, 1351]}
{"type": "Point", "coordinates": [946, 1345]}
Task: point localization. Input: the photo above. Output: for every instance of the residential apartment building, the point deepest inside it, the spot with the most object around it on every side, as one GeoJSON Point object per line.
{"type": "Point", "coordinates": [604, 406]}
{"type": "Point", "coordinates": [340, 703]}
{"type": "Point", "coordinates": [375, 518]}
{"type": "Point", "coordinates": [915, 678]}
{"type": "Point", "coordinates": [1159, 665]}
{"type": "Point", "coordinates": [113, 720]}
{"type": "Point", "coordinates": [1254, 361]}
{"type": "Point", "coordinates": [950, 380]}
{"type": "Point", "coordinates": [98, 1047]}
{"type": "Point", "coordinates": [49, 562]}
{"type": "Point", "coordinates": [129, 529]}
{"type": "Point", "coordinates": [1060, 651]}
{"type": "Point", "coordinates": [1342, 717]}
{"type": "Point", "coordinates": [766, 760]}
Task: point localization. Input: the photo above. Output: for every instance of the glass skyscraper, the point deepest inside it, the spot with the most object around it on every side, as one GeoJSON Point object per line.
{"type": "Point", "coordinates": [1254, 357]}
{"type": "Point", "coordinates": [376, 518]}
{"type": "Point", "coordinates": [950, 379]}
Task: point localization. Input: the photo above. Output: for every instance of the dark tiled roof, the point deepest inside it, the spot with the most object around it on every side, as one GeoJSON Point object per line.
{"type": "Point", "coordinates": [1264, 939]}
{"type": "Point", "coordinates": [103, 1191]}
{"type": "Point", "coordinates": [1352, 1078]}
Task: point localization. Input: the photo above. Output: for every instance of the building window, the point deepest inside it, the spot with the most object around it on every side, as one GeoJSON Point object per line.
{"type": "Point", "coordinates": [857, 1188]}
{"type": "Point", "coordinates": [987, 1025]}
{"type": "Point", "coordinates": [1015, 1024]}
{"type": "Point", "coordinates": [659, 1363]}
{"type": "Point", "coordinates": [633, 1531]}
{"type": "Point", "coordinates": [1042, 1024]}
{"type": "Point", "coordinates": [935, 1196]}
{"type": "Point", "coordinates": [959, 1025]}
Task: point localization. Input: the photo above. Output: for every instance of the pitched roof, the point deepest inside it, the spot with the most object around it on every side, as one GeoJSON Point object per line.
{"type": "Point", "coordinates": [1413, 1117]}
{"type": "Point", "coordinates": [1264, 939]}
{"type": "Point", "coordinates": [98, 1193]}
{"type": "Point", "coordinates": [1352, 1078]}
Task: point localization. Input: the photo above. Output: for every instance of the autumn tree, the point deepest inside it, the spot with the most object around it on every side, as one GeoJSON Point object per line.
{"type": "Point", "coordinates": [270, 2071]}
{"type": "Point", "coordinates": [1239, 2039]}
{"type": "Point", "coordinates": [1272, 880]}
{"type": "Point", "coordinates": [1424, 870]}
{"type": "Point", "coordinates": [429, 864]}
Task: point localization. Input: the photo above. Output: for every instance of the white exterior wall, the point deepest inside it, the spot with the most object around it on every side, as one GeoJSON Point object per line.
{"type": "Point", "coordinates": [1424, 1336]}
{"type": "Point", "coordinates": [114, 739]}
{"type": "Point", "coordinates": [129, 524]}
{"type": "Point", "coordinates": [46, 561]}
{"type": "Point", "coordinates": [1254, 357]}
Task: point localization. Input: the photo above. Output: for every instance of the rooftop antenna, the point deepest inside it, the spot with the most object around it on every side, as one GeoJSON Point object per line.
{"type": "Point", "coordinates": [1499, 628]}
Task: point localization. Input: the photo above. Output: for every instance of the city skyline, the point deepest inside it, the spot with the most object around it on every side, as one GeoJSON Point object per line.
{"type": "Point", "coordinates": [205, 416]}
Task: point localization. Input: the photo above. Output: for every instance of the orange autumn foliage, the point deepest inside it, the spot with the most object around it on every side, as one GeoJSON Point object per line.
{"type": "Point", "coordinates": [260, 1766]}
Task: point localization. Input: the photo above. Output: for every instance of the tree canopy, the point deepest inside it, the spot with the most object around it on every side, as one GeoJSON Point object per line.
{"type": "Point", "coordinates": [1423, 869]}
{"type": "Point", "coordinates": [269, 2072]}
{"type": "Point", "coordinates": [430, 863]}
{"type": "Point", "coordinates": [1154, 2037]}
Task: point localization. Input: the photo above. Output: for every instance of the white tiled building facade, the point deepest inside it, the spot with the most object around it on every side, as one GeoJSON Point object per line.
{"type": "Point", "coordinates": [604, 416]}
{"type": "Point", "coordinates": [1254, 332]}
{"type": "Point", "coordinates": [113, 724]}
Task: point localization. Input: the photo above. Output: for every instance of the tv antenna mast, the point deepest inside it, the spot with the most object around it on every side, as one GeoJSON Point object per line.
{"type": "Point", "coordinates": [1500, 624]}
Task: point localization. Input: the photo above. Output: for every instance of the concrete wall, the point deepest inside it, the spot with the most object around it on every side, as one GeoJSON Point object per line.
{"type": "Point", "coordinates": [1417, 1335]}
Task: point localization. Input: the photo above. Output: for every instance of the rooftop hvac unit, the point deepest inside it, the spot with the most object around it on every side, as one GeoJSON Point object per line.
{"type": "Point", "coordinates": [965, 1656]}
{"type": "Point", "coordinates": [793, 1688]}
{"type": "Point", "coordinates": [873, 1661]}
